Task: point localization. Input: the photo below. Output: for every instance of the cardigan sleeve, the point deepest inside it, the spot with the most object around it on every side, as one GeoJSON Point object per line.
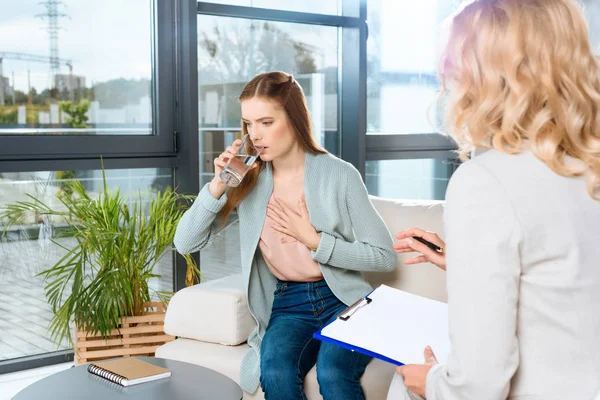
{"type": "Point", "coordinates": [483, 240]}
{"type": "Point", "coordinates": [372, 249]}
{"type": "Point", "coordinates": [199, 224]}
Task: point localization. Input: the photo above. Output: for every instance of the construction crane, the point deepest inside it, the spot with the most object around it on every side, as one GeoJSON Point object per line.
{"type": "Point", "coordinates": [28, 57]}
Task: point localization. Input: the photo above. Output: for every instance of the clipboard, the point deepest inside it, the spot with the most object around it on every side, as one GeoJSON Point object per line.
{"type": "Point", "coordinates": [392, 334]}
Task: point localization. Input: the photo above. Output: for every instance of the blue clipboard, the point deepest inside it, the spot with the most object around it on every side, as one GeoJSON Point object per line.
{"type": "Point", "coordinates": [362, 302]}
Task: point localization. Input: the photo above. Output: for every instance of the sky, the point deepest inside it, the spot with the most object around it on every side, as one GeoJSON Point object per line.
{"type": "Point", "coordinates": [105, 39]}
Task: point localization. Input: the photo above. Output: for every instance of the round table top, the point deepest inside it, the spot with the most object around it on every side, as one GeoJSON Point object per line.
{"type": "Point", "coordinates": [187, 381]}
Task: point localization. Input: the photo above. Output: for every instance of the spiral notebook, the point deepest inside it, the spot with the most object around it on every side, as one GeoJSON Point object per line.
{"type": "Point", "coordinates": [128, 371]}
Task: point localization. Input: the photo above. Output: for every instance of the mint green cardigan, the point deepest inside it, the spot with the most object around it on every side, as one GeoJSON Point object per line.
{"type": "Point", "coordinates": [354, 238]}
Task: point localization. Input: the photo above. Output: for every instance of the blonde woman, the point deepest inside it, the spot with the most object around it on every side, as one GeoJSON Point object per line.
{"type": "Point", "coordinates": [522, 219]}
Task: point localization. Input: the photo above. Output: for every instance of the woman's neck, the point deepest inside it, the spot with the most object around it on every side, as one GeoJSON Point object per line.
{"type": "Point", "coordinates": [290, 164]}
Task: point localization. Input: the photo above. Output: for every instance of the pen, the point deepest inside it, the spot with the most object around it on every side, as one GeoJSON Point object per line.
{"type": "Point", "coordinates": [429, 244]}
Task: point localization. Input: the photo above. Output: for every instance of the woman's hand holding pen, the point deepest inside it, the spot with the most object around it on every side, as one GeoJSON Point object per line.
{"type": "Point", "coordinates": [408, 244]}
{"type": "Point", "coordinates": [298, 226]}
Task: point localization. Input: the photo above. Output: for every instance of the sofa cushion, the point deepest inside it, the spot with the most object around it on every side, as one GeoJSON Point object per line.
{"type": "Point", "coordinates": [227, 359]}
{"type": "Point", "coordinates": [421, 279]}
{"type": "Point", "coordinates": [215, 311]}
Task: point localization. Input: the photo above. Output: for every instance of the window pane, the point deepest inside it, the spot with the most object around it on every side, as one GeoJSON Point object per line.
{"type": "Point", "coordinates": [402, 51]}
{"type": "Point", "coordinates": [592, 12]}
{"type": "Point", "coordinates": [231, 52]}
{"type": "Point", "coordinates": [28, 249]}
{"type": "Point", "coordinates": [95, 54]}
{"type": "Point", "coordinates": [311, 6]}
{"type": "Point", "coordinates": [418, 179]}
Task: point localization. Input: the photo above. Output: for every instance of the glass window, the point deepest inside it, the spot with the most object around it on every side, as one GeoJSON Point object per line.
{"type": "Point", "coordinates": [414, 179]}
{"type": "Point", "coordinates": [28, 249]}
{"type": "Point", "coordinates": [402, 51]}
{"type": "Point", "coordinates": [312, 6]}
{"type": "Point", "coordinates": [592, 12]}
{"type": "Point", "coordinates": [77, 67]}
{"type": "Point", "coordinates": [231, 52]}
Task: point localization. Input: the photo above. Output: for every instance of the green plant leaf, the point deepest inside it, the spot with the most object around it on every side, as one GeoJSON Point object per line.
{"type": "Point", "coordinates": [119, 241]}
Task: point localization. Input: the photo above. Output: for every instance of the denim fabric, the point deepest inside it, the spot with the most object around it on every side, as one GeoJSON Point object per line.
{"type": "Point", "coordinates": [289, 351]}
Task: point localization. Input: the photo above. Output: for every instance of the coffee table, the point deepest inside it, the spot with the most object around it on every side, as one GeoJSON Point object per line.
{"type": "Point", "coordinates": [187, 381]}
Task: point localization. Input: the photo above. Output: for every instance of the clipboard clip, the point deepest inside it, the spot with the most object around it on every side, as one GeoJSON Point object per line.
{"type": "Point", "coordinates": [348, 312]}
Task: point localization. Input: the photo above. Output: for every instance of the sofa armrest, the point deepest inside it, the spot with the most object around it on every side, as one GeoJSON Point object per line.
{"type": "Point", "coordinates": [215, 311]}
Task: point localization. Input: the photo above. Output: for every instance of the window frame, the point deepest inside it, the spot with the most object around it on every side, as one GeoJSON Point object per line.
{"type": "Point", "coordinates": [175, 116]}
{"type": "Point", "coordinates": [351, 79]}
{"type": "Point", "coordinates": [171, 112]}
{"type": "Point", "coordinates": [161, 143]}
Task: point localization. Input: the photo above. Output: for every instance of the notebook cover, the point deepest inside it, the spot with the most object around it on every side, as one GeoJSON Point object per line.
{"type": "Point", "coordinates": [132, 368]}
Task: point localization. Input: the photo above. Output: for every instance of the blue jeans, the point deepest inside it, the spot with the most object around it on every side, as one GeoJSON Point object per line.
{"type": "Point", "coordinates": [288, 350]}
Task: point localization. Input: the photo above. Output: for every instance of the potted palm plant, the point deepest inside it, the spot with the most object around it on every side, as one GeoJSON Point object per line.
{"type": "Point", "coordinates": [101, 283]}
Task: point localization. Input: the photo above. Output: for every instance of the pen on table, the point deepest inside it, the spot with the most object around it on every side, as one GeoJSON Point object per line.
{"type": "Point", "coordinates": [429, 244]}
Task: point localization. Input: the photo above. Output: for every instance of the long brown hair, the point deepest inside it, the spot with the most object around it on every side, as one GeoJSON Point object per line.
{"type": "Point", "coordinates": [284, 90]}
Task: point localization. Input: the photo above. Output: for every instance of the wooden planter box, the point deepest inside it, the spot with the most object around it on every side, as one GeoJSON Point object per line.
{"type": "Point", "coordinates": [140, 335]}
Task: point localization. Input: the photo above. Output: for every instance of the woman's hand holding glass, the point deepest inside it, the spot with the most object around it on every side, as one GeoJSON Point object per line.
{"type": "Point", "coordinates": [217, 187]}
{"type": "Point", "coordinates": [291, 223]}
{"type": "Point", "coordinates": [407, 245]}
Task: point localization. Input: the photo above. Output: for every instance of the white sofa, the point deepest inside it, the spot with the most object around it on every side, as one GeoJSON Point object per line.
{"type": "Point", "coordinates": [212, 319]}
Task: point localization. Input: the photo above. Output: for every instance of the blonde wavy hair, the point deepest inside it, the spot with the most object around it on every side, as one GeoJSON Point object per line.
{"type": "Point", "coordinates": [520, 74]}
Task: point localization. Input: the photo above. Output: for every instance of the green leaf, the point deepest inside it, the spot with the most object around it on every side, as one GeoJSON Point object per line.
{"type": "Point", "coordinates": [119, 240]}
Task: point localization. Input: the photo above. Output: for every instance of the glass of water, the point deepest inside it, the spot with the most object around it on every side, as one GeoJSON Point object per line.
{"type": "Point", "coordinates": [237, 166]}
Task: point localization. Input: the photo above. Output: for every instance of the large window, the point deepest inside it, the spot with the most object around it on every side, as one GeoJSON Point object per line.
{"type": "Point", "coordinates": [76, 67]}
{"type": "Point", "coordinates": [81, 81]}
{"type": "Point", "coordinates": [406, 157]}
{"type": "Point", "coordinates": [232, 51]}
{"type": "Point", "coordinates": [39, 243]}
{"type": "Point", "coordinates": [402, 52]}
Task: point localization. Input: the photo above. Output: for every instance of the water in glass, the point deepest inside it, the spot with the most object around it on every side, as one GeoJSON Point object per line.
{"type": "Point", "coordinates": [236, 168]}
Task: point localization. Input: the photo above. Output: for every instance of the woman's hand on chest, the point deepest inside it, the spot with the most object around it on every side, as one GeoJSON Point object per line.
{"type": "Point", "coordinates": [294, 223]}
